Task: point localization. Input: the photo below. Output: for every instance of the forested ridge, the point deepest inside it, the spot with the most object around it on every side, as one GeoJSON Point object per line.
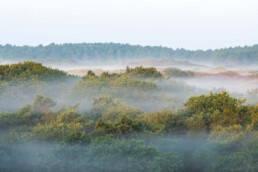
{"type": "Point", "coordinates": [119, 52]}
{"type": "Point", "coordinates": [209, 132]}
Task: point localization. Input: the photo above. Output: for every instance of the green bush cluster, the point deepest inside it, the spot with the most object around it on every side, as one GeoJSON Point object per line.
{"type": "Point", "coordinates": [30, 71]}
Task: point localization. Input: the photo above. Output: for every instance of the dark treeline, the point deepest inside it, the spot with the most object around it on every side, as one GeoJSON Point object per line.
{"type": "Point", "coordinates": [96, 52]}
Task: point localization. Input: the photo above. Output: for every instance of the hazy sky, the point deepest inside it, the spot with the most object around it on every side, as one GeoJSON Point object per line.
{"type": "Point", "coordinates": [191, 24]}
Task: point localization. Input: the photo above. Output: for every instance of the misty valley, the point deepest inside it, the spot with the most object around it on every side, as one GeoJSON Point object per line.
{"type": "Point", "coordinates": [177, 117]}
{"type": "Point", "coordinates": [128, 85]}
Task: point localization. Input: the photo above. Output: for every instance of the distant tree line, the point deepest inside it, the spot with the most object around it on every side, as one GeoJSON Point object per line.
{"type": "Point", "coordinates": [120, 52]}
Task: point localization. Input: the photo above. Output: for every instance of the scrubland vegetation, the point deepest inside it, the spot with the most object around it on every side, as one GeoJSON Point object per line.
{"type": "Point", "coordinates": [138, 120]}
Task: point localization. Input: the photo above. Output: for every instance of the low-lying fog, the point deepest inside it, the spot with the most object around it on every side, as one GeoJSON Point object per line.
{"type": "Point", "coordinates": [210, 77]}
{"type": "Point", "coordinates": [190, 151]}
{"type": "Point", "coordinates": [172, 92]}
{"type": "Point", "coordinates": [225, 83]}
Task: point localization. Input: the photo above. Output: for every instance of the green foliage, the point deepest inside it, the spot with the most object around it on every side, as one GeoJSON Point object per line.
{"type": "Point", "coordinates": [67, 126]}
{"type": "Point", "coordinates": [43, 104]}
{"type": "Point", "coordinates": [109, 109]}
{"type": "Point", "coordinates": [174, 72]}
{"type": "Point", "coordinates": [39, 111]}
{"type": "Point", "coordinates": [113, 85]}
{"type": "Point", "coordinates": [237, 161]}
{"type": "Point", "coordinates": [218, 109]}
{"type": "Point", "coordinates": [164, 122]}
{"type": "Point", "coordinates": [214, 132]}
{"type": "Point", "coordinates": [122, 126]}
{"type": "Point", "coordinates": [107, 154]}
{"type": "Point", "coordinates": [224, 136]}
{"type": "Point", "coordinates": [30, 71]}
{"type": "Point", "coordinates": [239, 153]}
{"type": "Point", "coordinates": [253, 123]}
{"type": "Point", "coordinates": [7, 119]}
{"type": "Point", "coordinates": [141, 72]}
{"type": "Point", "coordinates": [92, 83]}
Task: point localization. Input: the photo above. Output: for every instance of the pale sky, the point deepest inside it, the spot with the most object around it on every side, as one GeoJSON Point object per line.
{"type": "Point", "coordinates": [190, 24]}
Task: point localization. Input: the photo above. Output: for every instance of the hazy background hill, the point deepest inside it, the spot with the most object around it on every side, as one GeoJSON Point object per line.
{"type": "Point", "coordinates": [111, 53]}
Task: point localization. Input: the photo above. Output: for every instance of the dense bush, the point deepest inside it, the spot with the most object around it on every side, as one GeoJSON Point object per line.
{"type": "Point", "coordinates": [141, 72]}
{"type": "Point", "coordinates": [30, 71]}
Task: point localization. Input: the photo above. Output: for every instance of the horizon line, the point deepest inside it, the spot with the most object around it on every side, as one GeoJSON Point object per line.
{"type": "Point", "coordinates": [117, 43]}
